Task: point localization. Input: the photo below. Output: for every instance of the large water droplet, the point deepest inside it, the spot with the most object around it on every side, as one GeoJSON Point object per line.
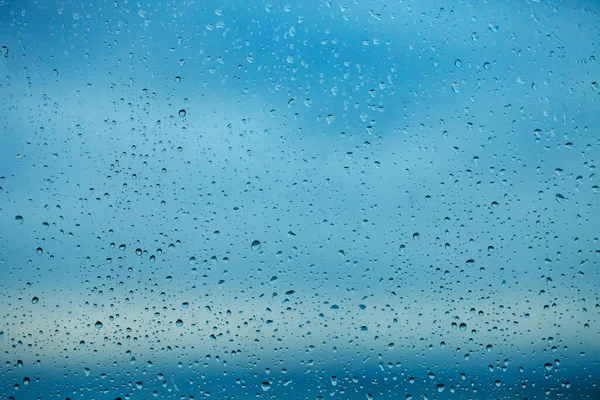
{"type": "Point", "coordinates": [98, 325]}
{"type": "Point", "coordinates": [19, 220]}
{"type": "Point", "coordinates": [255, 245]}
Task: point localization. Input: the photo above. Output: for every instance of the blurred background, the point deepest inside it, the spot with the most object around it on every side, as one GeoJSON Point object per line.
{"type": "Point", "coordinates": [301, 200]}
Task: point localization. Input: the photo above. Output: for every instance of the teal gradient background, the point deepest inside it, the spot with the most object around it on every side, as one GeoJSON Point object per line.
{"type": "Point", "coordinates": [407, 167]}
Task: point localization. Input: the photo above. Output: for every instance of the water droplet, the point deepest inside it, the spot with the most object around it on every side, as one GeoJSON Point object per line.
{"type": "Point", "coordinates": [177, 79]}
{"type": "Point", "coordinates": [98, 325]}
{"type": "Point", "coordinates": [182, 113]}
{"type": "Point", "coordinates": [4, 51]}
{"type": "Point", "coordinates": [19, 220]}
{"type": "Point", "coordinates": [548, 366]}
{"type": "Point", "coordinates": [559, 197]}
{"type": "Point", "coordinates": [138, 252]}
{"type": "Point", "coordinates": [456, 87]}
{"type": "Point", "coordinates": [122, 247]}
{"type": "Point", "coordinates": [416, 236]}
{"type": "Point", "coordinates": [265, 386]}
{"type": "Point", "coordinates": [458, 63]}
{"type": "Point", "coordinates": [55, 72]}
{"type": "Point", "coordinates": [34, 300]}
{"type": "Point", "coordinates": [462, 326]}
{"type": "Point", "coordinates": [255, 245]}
{"type": "Point", "coordinates": [179, 323]}
{"type": "Point", "coordinates": [440, 387]}
{"type": "Point", "coordinates": [487, 65]}
{"type": "Point", "coordinates": [470, 262]}
{"type": "Point", "coordinates": [39, 250]}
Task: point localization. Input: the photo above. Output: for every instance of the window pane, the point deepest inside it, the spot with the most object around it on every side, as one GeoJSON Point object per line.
{"type": "Point", "coordinates": [302, 200]}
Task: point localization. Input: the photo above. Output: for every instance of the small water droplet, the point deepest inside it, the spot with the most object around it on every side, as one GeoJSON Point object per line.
{"type": "Point", "coordinates": [255, 245]}
{"type": "Point", "coordinates": [39, 250]}
{"type": "Point", "coordinates": [19, 220]}
{"type": "Point", "coordinates": [416, 236]}
{"type": "Point", "coordinates": [456, 87]}
{"type": "Point", "coordinates": [182, 113]}
{"type": "Point", "coordinates": [179, 323]}
{"type": "Point", "coordinates": [34, 300]}
{"type": "Point", "coordinates": [4, 51]}
{"type": "Point", "coordinates": [458, 63]}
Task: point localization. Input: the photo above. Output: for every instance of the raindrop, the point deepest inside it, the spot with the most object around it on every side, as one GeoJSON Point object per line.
{"type": "Point", "coordinates": [39, 250]}
{"type": "Point", "coordinates": [456, 87]}
{"type": "Point", "coordinates": [255, 245]}
{"type": "Point", "coordinates": [19, 220]}
{"type": "Point", "coordinates": [179, 323]}
{"type": "Point", "coordinates": [98, 325]}
{"type": "Point", "coordinates": [416, 236]}
{"type": "Point", "coordinates": [34, 300]}
{"type": "Point", "coordinates": [4, 51]}
{"type": "Point", "coordinates": [462, 326]}
{"type": "Point", "coordinates": [458, 63]}
{"type": "Point", "coordinates": [182, 113]}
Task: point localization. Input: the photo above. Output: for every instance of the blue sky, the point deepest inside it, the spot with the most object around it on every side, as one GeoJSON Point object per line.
{"type": "Point", "coordinates": [330, 132]}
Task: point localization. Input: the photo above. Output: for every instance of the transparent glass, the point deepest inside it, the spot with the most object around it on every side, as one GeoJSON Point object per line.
{"type": "Point", "coordinates": [302, 200]}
